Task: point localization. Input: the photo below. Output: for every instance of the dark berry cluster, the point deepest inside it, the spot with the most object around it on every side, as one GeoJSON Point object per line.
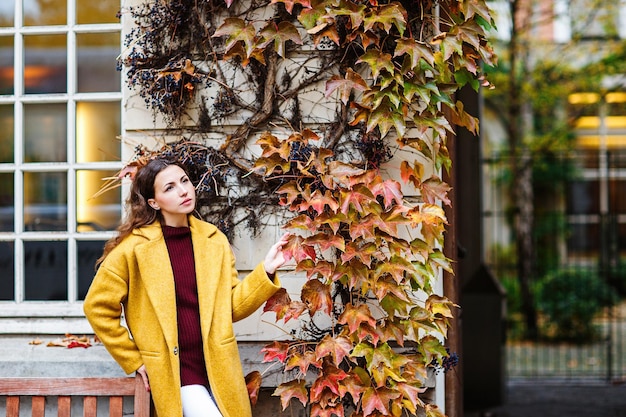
{"type": "Point", "coordinates": [374, 149]}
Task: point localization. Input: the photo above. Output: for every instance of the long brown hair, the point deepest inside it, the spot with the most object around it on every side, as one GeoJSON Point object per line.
{"type": "Point", "coordinates": [138, 212]}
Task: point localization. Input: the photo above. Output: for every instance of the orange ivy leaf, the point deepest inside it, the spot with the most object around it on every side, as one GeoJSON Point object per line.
{"type": "Point", "coordinates": [345, 85]}
{"type": "Point", "coordinates": [290, 3]}
{"type": "Point", "coordinates": [390, 190]}
{"type": "Point", "coordinates": [318, 201]}
{"type": "Point", "coordinates": [292, 389]}
{"type": "Point", "coordinates": [433, 411]}
{"type": "Point", "coordinates": [329, 411]}
{"type": "Point", "coordinates": [410, 393]}
{"type": "Point", "coordinates": [237, 31]}
{"type": "Point", "coordinates": [356, 198]}
{"type": "Point", "coordinates": [386, 17]}
{"type": "Point", "coordinates": [328, 378]}
{"type": "Point", "coordinates": [377, 399]}
{"type": "Point", "coordinates": [326, 241]}
{"type": "Point", "coordinates": [303, 361]}
{"type": "Point", "coordinates": [275, 350]}
{"type": "Point", "coordinates": [416, 50]}
{"type": "Point", "coordinates": [253, 384]}
{"type": "Point", "coordinates": [412, 174]}
{"type": "Point", "coordinates": [279, 35]}
{"type": "Point", "coordinates": [316, 296]}
{"type": "Point", "coordinates": [336, 347]}
{"type": "Point", "coordinates": [377, 61]}
{"type": "Point", "coordinates": [278, 303]}
{"type": "Point", "coordinates": [363, 252]}
{"type": "Point", "coordinates": [434, 188]}
{"type": "Point", "coordinates": [353, 316]}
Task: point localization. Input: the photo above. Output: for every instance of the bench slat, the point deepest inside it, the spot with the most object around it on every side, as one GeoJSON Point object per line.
{"type": "Point", "coordinates": [64, 405]}
{"type": "Point", "coordinates": [90, 407]}
{"type": "Point", "coordinates": [13, 406]}
{"type": "Point", "coordinates": [116, 406]}
{"type": "Point", "coordinates": [39, 406]}
{"type": "Point", "coordinates": [67, 386]}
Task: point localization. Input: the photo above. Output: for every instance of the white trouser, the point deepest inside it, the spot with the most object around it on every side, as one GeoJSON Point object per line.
{"type": "Point", "coordinates": [197, 402]}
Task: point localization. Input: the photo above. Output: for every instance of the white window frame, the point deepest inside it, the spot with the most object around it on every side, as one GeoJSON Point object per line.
{"type": "Point", "coordinates": [50, 317]}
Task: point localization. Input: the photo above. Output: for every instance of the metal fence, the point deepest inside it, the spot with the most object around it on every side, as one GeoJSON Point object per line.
{"type": "Point", "coordinates": [579, 264]}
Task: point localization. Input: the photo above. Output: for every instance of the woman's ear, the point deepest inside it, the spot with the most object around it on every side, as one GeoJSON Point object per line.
{"type": "Point", "coordinates": [152, 202]}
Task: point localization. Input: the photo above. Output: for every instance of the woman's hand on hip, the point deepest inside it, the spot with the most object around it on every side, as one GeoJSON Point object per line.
{"type": "Point", "coordinates": [275, 257]}
{"type": "Point", "coordinates": [144, 376]}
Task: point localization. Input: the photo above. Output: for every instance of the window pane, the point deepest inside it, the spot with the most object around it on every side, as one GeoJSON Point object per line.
{"type": "Point", "coordinates": [7, 211]}
{"type": "Point", "coordinates": [102, 11]}
{"type": "Point", "coordinates": [7, 55]}
{"type": "Point", "coordinates": [45, 132]}
{"type": "Point", "coordinates": [97, 53]}
{"type": "Point", "coordinates": [88, 254]}
{"type": "Point", "coordinates": [102, 212]}
{"type": "Point", "coordinates": [48, 12]}
{"type": "Point", "coordinates": [45, 64]}
{"type": "Point", "coordinates": [583, 239]}
{"type": "Point", "coordinates": [617, 197]}
{"type": "Point", "coordinates": [6, 133]}
{"type": "Point", "coordinates": [45, 270]}
{"type": "Point", "coordinates": [7, 271]}
{"type": "Point", "coordinates": [7, 12]}
{"type": "Point", "coordinates": [98, 125]}
{"type": "Point", "coordinates": [583, 197]}
{"type": "Point", "coordinates": [45, 201]}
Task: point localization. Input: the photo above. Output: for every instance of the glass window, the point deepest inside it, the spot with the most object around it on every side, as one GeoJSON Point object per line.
{"type": "Point", "coordinates": [45, 132]}
{"type": "Point", "coordinates": [102, 11]}
{"type": "Point", "coordinates": [583, 239]}
{"type": "Point", "coordinates": [88, 254]}
{"type": "Point", "coordinates": [7, 55]}
{"type": "Point", "coordinates": [7, 201]}
{"type": "Point", "coordinates": [98, 126]}
{"type": "Point", "coordinates": [60, 128]}
{"type": "Point", "coordinates": [47, 12]}
{"type": "Point", "coordinates": [96, 57]}
{"type": "Point", "coordinates": [102, 212]}
{"type": "Point", "coordinates": [617, 197]}
{"type": "Point", "coordinates": [7, 269]}
{"type": "Point", "coordinates": [6, 133]}
{"type": "Point", "coordinates": [583, 197]}
{"type": "Point", "coordinates": [45, 64]}
{"type": "Point", "coordinates": [7, 12]}
{"type": "Point", "coordinates": [45, 201]}
{"type": "Point", "coordinates": [45, 270]}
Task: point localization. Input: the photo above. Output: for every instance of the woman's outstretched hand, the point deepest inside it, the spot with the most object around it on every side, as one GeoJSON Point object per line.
{"type": "Point", "coordinates": [275, 257]}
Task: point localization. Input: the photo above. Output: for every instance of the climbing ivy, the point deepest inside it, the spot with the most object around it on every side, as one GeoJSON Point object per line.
{"type": "Point", "coordinates": [311, 100]}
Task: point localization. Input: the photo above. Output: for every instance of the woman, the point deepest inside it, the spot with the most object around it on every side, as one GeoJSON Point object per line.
{"type": "Point", "coordinates": [173, 278]}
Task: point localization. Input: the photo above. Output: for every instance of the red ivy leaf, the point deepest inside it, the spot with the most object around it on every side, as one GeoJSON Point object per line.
{"type": "Point", "coordinates": [278, 303]}
{"type": "Point", "coordinates": [303, 361]}
{"type": "Point", "coordinates": [317, 297]}
{"type": "Point", "coordinates": [354, 316]}
{"type": "Point", "coordinates": [253, 383]}
{"type": "Point", "coordinates": [275, 350]}
{"type": "Point", "coordinates": [337, 347]}
{"type": "Point", "coordinates": [433, 189]}
{"type": "Point", "coordinates": [291, 389]}
{"type": "Point", "coordinates": [345, 85]}
{"type": "Point", "coordinates": [390, 190]}
{"type": "Point", "coordinates": [328, 378]}
{"type": "Point", "coordinates": [378, 399]}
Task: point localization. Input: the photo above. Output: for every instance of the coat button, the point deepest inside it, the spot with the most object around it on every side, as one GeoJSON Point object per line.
{"type": "Point", "coordinates": [175, 350]}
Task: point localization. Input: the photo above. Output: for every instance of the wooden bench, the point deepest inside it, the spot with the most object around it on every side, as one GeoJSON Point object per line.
{"type": "Point", "coordinates": [66, 388]}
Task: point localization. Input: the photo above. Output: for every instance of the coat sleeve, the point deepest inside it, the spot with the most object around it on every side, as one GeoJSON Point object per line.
{"type": "Point", "coordinates": [103, 308]}
{"type": "Point", "coordinates": [251, 292]}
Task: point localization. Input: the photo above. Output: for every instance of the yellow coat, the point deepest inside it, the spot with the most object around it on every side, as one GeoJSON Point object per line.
{"type": "Point", "coordinates": [137, 275]}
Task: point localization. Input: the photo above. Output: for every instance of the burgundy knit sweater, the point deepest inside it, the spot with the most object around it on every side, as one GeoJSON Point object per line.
{"type": "Point", "coordinates": [180, 249]}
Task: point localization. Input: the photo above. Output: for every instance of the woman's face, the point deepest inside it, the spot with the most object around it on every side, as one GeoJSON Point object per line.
{"type": "Point", "coordinates": [174, 196]}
